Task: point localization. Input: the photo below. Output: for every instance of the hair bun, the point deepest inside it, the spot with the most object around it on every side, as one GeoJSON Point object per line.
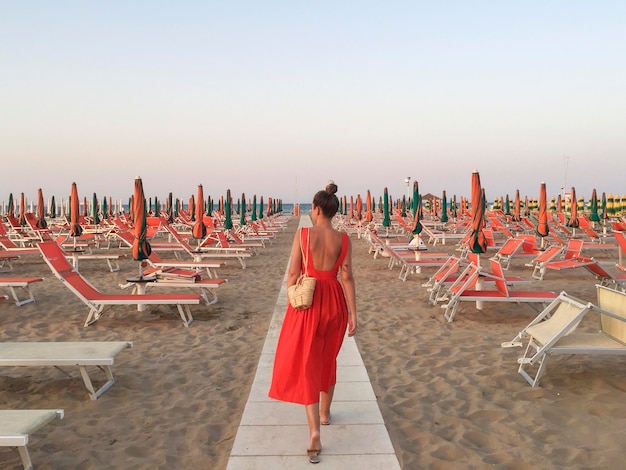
{"type": "Point", "coordinates": [331, 188]}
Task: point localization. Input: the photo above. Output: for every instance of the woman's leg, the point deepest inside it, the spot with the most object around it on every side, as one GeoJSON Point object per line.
{"type": "Point", "coordinates": [313, 419]}
{"type": "Point", "coordinates": [326, 401]}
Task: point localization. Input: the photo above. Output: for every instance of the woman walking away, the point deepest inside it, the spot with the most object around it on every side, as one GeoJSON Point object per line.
{"type": "Point", "coordinates": [305, 365]}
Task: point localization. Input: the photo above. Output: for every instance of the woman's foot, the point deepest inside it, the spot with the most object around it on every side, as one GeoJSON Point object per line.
{"type": "Point", "coordinates": [315, 448]}
{"type": "Point", "coordinates": [313, 455]}
{"type": "Point", "coordinates": [325, 421]}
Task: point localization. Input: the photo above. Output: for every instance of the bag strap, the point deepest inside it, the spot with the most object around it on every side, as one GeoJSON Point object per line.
{"type": "Point", "coordinates": [304, 255]}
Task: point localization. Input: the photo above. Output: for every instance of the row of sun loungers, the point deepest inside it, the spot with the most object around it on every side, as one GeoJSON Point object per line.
{"type": "Point", "coordinates": [564, 324]}
{"type": "Point", "coordinates": [17, 426]}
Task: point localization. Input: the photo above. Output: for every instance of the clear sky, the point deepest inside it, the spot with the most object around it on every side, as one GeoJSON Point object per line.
{"type": "Point", "coordinates": [275, 98]}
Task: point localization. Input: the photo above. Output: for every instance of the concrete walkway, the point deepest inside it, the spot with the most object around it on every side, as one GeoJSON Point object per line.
{"type": "Point", "coordinates": [273, 435]}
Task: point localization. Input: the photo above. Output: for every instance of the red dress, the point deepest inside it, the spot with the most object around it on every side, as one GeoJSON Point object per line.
{"type": "Point", "coordinates": [309, 342]}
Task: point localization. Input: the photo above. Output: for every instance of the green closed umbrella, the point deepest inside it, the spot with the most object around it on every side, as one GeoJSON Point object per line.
{"type": "Point", "coordinates": [242, 215]}
{"type": "Point", "coordinates": [105, 208]}
{"type": "Point", "coordinates": [253, 217]}
{"type": "Point", "coordinates": [261, 208]}
{"type": "Point", "coordinates": [228, 222]}
{"type": "Point", "coordinates": [386, 220]}
{"type": "Point", "coordinates": [95, 219]}
{"type": "Point", "coordinates": [593, 216]}
{"type": "Point", "coordinates": [53, 208]}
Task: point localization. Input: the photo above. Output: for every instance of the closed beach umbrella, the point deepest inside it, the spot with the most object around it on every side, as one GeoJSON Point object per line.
{"type": "Point", "coordinates": [170, 207]}
{"type": "Point", "coordinates": [542, 225]}
{"type": "Point", "coordinates": [53, 208]}
{"type": "Point", "coordinates": [253, 208]}
{"type": "Point", "coordinates": [22, 217]}
{"type": "Point", "coordinates": [95, 220]}
{"type": "Point", "coordinates": [199, 229]}
{"type": "Point", "coordinates": [517, 212]}
{"type": "Point", "coordinates": [105, 208]}
{"type": "Point", "coordinates": [444, 208]}
{"type": "Point", "coordinates": [610, 209]}
{"type": "Point", "coordinates": [75, 229]}
{"type": "Point", "coordinates": [242, 214]}
{"type": "Point", "coordinates": [191, 208]}
{"type": "Point", "coordinates": [141, 247]}
{"type": "Point", "coordinates": [261, 207]}
{"type": "Point", "coordinates": [603, 206]}
{"type": "Point", "coordinates": [11, 208]}
{"type": "Point", "coordinates": [417, 218]}
{"type": "Point", "coordinates": [41, 217]}
{"type": "Point", "coordinates": [359, 207]}
{"type": "Point", "coordinates": [368, 207]}
{"type": "Point", "coordinates": [507, 206]}
{"type": "Point", "coordinates": [593, 207]}
{"type": "Point", "coordinates": [228, 221]}
{"type": "Point", "coordinates": [386, 220]}
{"type": "Point", "coordinates": [573, 220]}
{"type": "Point", "coordinates": [477, 241]}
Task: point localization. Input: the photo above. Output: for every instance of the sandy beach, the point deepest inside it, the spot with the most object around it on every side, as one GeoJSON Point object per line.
{"type": "Point", "coordinates": [451, 397]}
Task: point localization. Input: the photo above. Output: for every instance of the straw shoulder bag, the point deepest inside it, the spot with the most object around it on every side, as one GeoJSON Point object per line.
{"type": "Point", "coordinates": [301, 293]}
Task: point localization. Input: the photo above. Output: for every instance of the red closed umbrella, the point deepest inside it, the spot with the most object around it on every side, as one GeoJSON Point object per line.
{"type": "Point", "coordinates": [199, 229]}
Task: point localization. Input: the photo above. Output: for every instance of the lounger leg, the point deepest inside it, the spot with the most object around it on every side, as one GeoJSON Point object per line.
{"type": "Point", "coordinates": [185, 314]}
{"type": "Point", "coordinates": [450, 309]}
{"type": "Point", "coordinates": [28, 465]}
{"type": "Point", "coordinates": [93, 393]}
{"type": "Point", "coordinates": [113, 265]}
{"type": "Point", "coordinates": [18, 302]}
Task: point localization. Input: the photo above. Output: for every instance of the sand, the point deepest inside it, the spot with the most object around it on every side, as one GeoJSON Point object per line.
{"type": "Point", "coordinates": [450, 396]}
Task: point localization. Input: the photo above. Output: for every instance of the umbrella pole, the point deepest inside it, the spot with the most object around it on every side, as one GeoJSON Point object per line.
{"type": "Point", "coordinates": [479, 286]}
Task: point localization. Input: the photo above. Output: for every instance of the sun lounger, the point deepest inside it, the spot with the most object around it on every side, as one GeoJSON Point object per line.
{"type": "Point", "coordinates": [23, 283]}
{"type": "Point", "coordinates": [97, 301]}
{"type": "Point", "coordinates": [555, 331]}
{"type": "Point", "coordinates": [448, 274]}
{"type": "Point", "coordinates": [168, 264]}
{"type": "Point", "coordinates": [100, 354]}
{"type": "Point", "coordinates": [462, 290]}
{"type": "Point", "coordinates": [16, 427]}
{"type": "Point", "coordinates": [177, 278]}
{"type": "Point", "coordinates": [6, 259]}
{"type": "Point", "coordinates": [205, 253]}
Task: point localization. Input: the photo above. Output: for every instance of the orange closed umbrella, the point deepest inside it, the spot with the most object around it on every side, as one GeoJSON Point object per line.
{"type": "Point", "coordinates": [477, 241]}
{"type": "Point", "coordinates": [141, 247]}
{"type": "Point", "coordinates": [368, 207]}
{"type": "Point", "coordinates": [199, 229]}
{"type": "Point", "coordinates": [75, 229]}
{"type": "Point", "coordinates": [41, 218]}
{"type": "Point", "coordinates": [22, 217]}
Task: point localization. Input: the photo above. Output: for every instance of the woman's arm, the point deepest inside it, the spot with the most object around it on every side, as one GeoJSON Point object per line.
{"type": "Point", "coordinates": [295, 265]}
{"type": "Point", "coordinates": [347, 281]}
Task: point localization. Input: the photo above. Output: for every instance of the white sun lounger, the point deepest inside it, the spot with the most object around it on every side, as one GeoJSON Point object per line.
{"type": "Point", "coordinates": [554, 332]}
{"type": "Point", "coordinates": [16, 426]}
{"type": "Point", "coordinates": [59, 354]}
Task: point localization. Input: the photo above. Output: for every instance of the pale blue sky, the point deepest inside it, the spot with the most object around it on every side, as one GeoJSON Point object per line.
{"type": "Point", "coordinates": [275, 98]}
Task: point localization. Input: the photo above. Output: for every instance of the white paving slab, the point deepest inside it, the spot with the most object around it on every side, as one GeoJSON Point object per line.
{"type": "Point", "coordinates": [272, 434]}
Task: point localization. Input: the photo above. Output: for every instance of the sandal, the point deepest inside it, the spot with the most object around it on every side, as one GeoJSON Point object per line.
{"type": "Point", "coordinates": [313, 455]}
